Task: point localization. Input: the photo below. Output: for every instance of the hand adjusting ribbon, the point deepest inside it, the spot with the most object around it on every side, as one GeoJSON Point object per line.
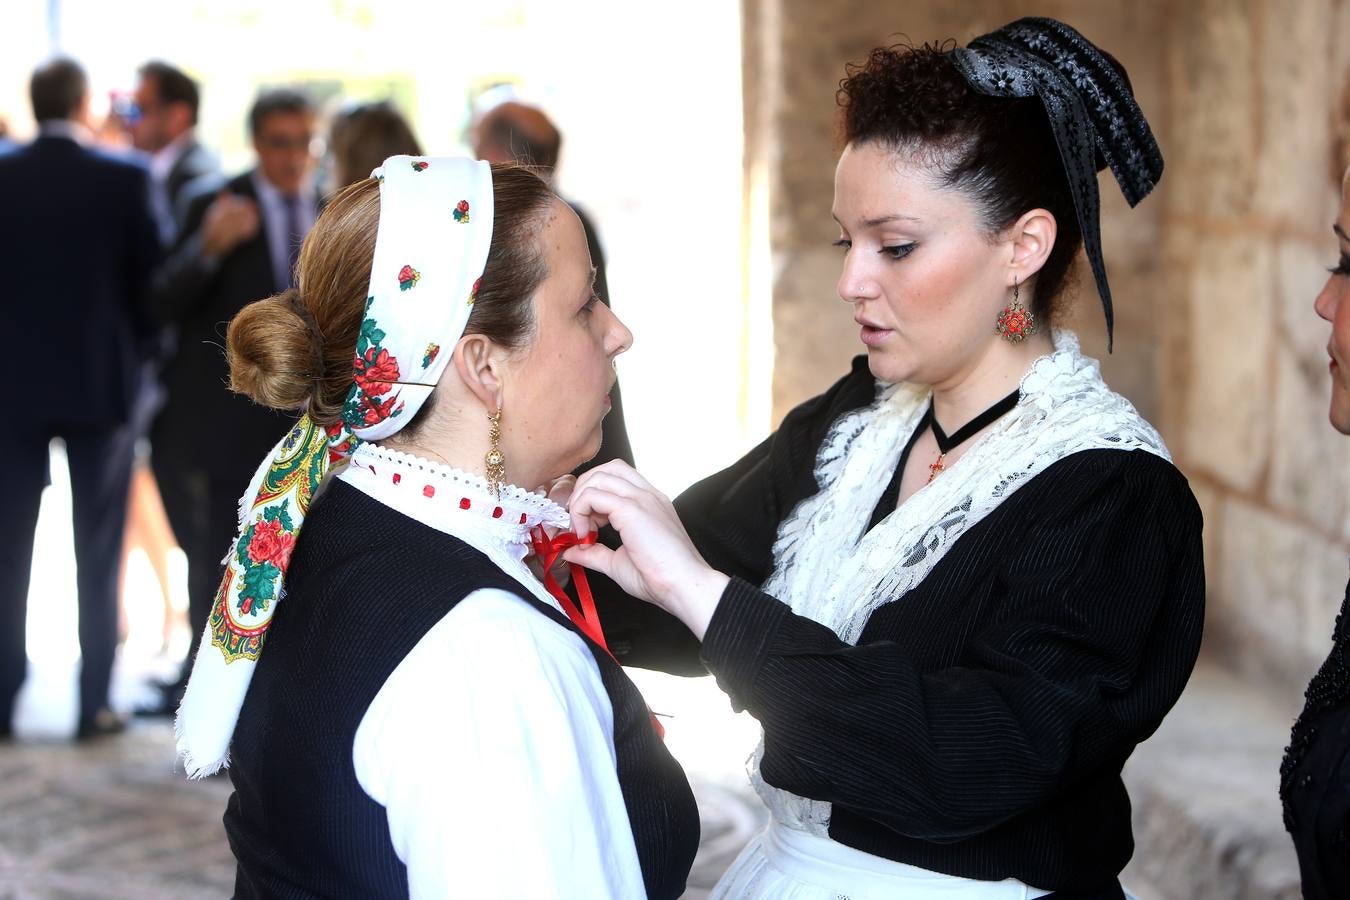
{"type": "Point", "coordinates": [587, 617]}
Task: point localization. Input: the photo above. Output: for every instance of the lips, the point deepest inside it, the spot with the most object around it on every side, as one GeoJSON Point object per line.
{"type": "Point", "coordinates": [872, 334]}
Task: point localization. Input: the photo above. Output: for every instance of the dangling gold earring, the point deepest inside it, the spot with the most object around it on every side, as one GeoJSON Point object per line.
{"type": "Point", "coordinates": [493, 461]}
{"type": "Point", "coordinates": [1015, 321]}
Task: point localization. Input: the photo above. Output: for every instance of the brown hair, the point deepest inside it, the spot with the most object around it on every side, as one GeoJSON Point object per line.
{"type": "Point", "coordinates": [362, 137]}
{"type": "Point", "coordinates": [294, 350]}
{"type": "Point", "coordinates": [999, 151]}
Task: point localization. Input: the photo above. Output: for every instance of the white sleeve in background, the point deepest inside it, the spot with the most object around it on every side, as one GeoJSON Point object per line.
{"type": "Point", "coordinates": [491, 747]}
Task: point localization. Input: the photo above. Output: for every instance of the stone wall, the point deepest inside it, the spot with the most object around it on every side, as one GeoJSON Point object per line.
{"type": "Point", "coordinates": [1255, 93]}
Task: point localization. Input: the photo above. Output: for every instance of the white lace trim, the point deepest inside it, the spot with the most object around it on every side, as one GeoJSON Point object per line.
{"type": "Point", "coordinates": [372, 468]}
{"type": "Point", "coordinates": [827, 569]}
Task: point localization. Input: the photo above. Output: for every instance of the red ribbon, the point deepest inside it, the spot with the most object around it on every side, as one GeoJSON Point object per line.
{"type": "Point", "coordinates": [548, 549]}
{"type": "Point", "coordinates": [587, 617]}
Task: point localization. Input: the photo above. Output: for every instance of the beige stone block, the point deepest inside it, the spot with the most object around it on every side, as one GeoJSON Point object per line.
{"type": "Point", "coordinates": [1227, 411]}
{"type": "Point", "coordinates": [1340, 73]}
{"type": "Point", "coordinates": [1296, 87]}
{"type": "Point", "coordinates": [1310, 461]}
{"type": "Point", "coordinates": [1213, 132]}
{"type": "Point", "coordinates": [1275, 584]}
{"type": "Point", "coordinates": [1300, 272]}
{"type": "Point", "coordinates": [815, 336]}
{"type": "Point", "coordinates": [1174, 313]}
{"type": "Point", "coordinates": [1211, 508]}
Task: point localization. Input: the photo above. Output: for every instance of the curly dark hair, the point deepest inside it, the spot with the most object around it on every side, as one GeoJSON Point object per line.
{"type": "Point", "coordinates": [998, 151]}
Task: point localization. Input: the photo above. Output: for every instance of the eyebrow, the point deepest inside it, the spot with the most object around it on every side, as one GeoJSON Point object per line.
{"type": "Point", "coordinates": [882, 220]}
{"type": "Point", "coordinates": [1340, 232]}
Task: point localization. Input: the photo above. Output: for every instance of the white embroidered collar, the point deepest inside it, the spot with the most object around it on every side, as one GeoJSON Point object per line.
{"type": "Point", "coordinates": [451, 500]}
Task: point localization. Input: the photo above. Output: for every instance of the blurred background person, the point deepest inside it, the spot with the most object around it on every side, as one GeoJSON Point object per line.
{"type": "Point", "coordinates": [161, 119]}
{"type": "Point", "coordinates": [237, 245]}
{"type": "Point", "coordinates": [77, 245]}
{"type": "Point", "coordinates": [512, 131]}
{"type": "Point", "coordinates": [1313, 782]}
{"type": "Point", "coordinates": [362, 137]}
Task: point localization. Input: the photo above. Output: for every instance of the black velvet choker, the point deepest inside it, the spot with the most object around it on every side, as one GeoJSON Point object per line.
{"type": "Point", "coordinates": [965, 432]}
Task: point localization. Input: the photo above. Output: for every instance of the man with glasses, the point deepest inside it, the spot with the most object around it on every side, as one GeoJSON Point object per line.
{"type": "Point", "coordinates": [237, 245]}
{"type": "Point", "coordinates": [162, 120]}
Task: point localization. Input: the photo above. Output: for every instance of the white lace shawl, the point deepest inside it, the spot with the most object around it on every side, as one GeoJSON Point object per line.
{"type": "Point", "coordinates": [826, 569]}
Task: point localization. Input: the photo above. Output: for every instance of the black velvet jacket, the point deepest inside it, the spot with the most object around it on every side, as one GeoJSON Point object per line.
{"type": "Point", "coordinates": [1315, 773]}
{"type": "Point", "coordinates": [980, 724]}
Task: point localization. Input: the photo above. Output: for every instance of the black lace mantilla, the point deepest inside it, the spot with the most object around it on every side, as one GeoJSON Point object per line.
{"type": "Point", "coordinates": [1091, 110]}
{"type": "Point", "coordinates": [1329, 689]}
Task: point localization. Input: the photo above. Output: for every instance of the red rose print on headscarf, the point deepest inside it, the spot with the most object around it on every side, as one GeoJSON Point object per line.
{"type": "Point", "coordinates": [375, 371]}
{"type": "Point", "coordinates": [271, 544]}
{"type": "Point", "coordinates": [408, 278]}
{"type": "Point", "coordinates": [376, 410]}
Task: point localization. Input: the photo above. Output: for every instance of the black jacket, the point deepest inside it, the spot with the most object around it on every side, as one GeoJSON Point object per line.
{"type": "Point", "coordinates": [201, 417]}
{"type": "Point", "coordinates": [77, 245]}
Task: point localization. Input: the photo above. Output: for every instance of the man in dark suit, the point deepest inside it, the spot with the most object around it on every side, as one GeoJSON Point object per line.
{"type": "Point", "coordinates": [163, 121]}
{"type": "Point", "coordinates": [77, 245]}
{"type": "Point", "coordinates": [236, 246]}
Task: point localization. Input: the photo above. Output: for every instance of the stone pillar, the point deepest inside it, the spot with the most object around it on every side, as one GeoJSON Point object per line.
{"type": "Point", "coordinates": [1256, 94]}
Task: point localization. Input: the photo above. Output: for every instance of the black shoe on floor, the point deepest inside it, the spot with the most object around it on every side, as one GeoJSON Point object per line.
{"type": "Point", "coordinates": [165, 703]}
{"type": "Point", "coordinates": [103, 723]}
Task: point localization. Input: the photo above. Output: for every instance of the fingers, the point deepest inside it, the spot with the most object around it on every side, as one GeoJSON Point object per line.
{"type": "Point", "coordinates": [617, 468]}
{"type": "Point", "coordinates": [609, 483]}
{"type": "Point", "coordinates": [592, 508]}
{"type": "Point", "coordinates": [562, 489]}
{"type": "Point", "coordinates": [597, 557]}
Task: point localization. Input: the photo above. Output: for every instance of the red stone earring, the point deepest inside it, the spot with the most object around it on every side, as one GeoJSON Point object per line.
{"type": "Point", "coordinates": [1015, 321]}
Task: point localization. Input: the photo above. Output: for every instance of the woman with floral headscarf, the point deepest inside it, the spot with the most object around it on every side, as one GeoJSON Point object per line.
{"type": "Point", "coordinates": [427, 719]}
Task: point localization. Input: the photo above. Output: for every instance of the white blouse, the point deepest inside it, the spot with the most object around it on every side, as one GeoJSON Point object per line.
{"type": "Point", "coordinates": [491, 745]}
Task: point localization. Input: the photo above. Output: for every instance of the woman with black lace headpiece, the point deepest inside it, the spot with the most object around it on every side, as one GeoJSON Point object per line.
{"type": "Point", "coordinates": [960, 587]}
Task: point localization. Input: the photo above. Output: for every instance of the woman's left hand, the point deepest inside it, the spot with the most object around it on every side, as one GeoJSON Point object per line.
{"type": "Point", "coordinates": [658, 561]}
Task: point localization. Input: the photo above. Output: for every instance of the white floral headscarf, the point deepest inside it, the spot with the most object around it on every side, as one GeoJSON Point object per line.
{"type": "Point", "coordinates": [432, 245]}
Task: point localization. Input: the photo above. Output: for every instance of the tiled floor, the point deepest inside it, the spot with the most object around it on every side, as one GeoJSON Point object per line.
{"type": "Point", "coordinates": [114, 820]}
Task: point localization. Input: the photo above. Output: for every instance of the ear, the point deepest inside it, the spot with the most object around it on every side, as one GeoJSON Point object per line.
{"type": "Point", "coordinates": [181, 117]}
{"type": "Point", "coordinates": [84, 112]}
{"type": "Point", "coordinates": [1032, 237]}
{"type": "Point", "coordinates": [479, 363]}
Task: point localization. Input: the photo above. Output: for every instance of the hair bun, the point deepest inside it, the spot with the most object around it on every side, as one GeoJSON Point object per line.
{"type": "Point", "coordinates": [275, 351]}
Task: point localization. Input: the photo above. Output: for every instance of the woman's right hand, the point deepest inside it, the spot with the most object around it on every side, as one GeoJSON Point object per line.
{"type": "Point", "coordinates": [657, 561]}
